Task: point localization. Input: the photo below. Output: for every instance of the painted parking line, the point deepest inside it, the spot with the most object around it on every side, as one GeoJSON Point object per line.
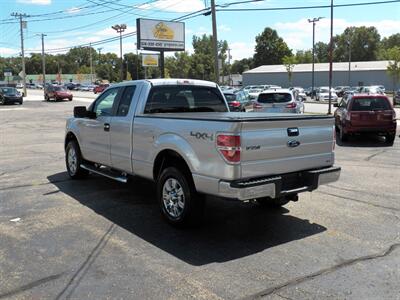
{"type": "Point", "coordinates": [13, 108]}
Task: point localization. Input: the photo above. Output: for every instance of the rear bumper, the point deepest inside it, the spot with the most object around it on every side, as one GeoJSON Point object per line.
{"type": "Point", "coordinates": [361, 129]}
{"type": "Point", "coordinates": [279, 185]}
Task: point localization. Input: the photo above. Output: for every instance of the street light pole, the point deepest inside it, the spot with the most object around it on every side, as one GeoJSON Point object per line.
{"type": "Point", "coordinates": [331, 62]}
{"type": "Point", "coordinates": [120, 29]}
{"type": "Point", "coordinates": [314, 20]}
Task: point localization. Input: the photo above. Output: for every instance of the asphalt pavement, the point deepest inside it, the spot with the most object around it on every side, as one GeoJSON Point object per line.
{"type": "Point", "coordinates": [100, 239]}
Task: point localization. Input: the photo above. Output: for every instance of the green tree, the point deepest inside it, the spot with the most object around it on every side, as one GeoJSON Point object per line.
{"type": "Point", "coordinates": [391, 41]}
{"type": "Point", "coordinates": [321, 52]}
{"type": "Point", "coordinates": [393, 68]}
{"type": "Point", "coordinates": [289, 62]}
{"type": "Point", "coordinates": [179, 65]}
{"type": "Point", "coordinates": [304, 57]}
{"type": "Point", "coordinates": [364, 42]}
{"type": "Point", "coordinates": [240, 66]}
{"type": "Point", "coordinates": [270, 48]}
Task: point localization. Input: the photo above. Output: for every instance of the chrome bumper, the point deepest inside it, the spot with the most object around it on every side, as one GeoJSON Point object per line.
{"type": "Point", "coordinates": [280, 185]}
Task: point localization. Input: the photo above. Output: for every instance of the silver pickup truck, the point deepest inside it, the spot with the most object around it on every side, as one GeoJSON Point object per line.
{"type": "Point", "coordinates": [180, 134]}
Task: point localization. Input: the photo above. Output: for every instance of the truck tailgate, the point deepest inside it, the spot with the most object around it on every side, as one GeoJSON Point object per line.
{"type": "Point", "coordinates": [286, 145]}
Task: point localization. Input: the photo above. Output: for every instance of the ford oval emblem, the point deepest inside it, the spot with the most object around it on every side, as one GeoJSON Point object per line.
{"type": "Point", "coordinates": [293, 143]}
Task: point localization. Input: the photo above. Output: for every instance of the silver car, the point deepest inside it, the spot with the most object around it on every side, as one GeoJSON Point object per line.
{"type": "Point", "coordinates": [278, 101]}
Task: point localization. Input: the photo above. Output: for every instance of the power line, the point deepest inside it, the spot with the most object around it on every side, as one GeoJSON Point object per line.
{"type": "Point", "coordinates": [307, 7]}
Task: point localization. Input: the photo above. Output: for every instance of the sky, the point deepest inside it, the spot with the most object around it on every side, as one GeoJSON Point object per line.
{"type": "Point", "coordinates": [77, 22]}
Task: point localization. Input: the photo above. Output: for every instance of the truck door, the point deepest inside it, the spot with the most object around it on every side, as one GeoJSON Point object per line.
{"type": "Point", "coordinates": [95, 133]}
{"type": "Point", "coordinates": [121, 135]}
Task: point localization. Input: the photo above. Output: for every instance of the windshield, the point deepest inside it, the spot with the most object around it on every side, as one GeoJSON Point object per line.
{"type": "Point", "coordinates": [255, 91]}
{"type": "Point", "coordinates": [9, 91]}
{"type": "Point", "coordinates": [274, 98]}
{"type": "Point", "coordinates": [59, 88]}
{"type": "Point", "coordinates": [185, 98]}
{"type": "Point", "coordinates": [370, 104]}
{"type": "Point", "coordinates": [324, 90]}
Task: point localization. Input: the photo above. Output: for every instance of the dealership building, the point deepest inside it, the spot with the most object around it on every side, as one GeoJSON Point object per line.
{"type": "Point", "coordinates": [361, 73]}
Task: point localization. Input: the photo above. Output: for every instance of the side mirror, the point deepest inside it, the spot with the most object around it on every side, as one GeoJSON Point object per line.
{"type": "Point", "coordinates": [335, 105]}
{"type": "Point", "coordinates": [82, 112]}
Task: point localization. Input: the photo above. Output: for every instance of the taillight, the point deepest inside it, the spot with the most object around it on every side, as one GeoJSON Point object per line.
{"type": "Point", "coordinates": [229, 147]}
{"type": "Point", "coordinates": [235, 103]}
{"type": "Point", "coordinates": [291, 105]}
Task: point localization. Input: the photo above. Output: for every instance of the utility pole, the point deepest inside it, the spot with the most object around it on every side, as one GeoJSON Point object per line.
{"type": "Point", "coordinates": [314, 20]}
{"type": "Point", "coordinates": [229, 63]}
{"type": "Point", "coordinates": [215, 41]}
{"type": "Point", "coordinates": [99, 49]}
{"type": "Point", "coordinates": [349, 74]}
{"type": "Point", "coordinates": [22, 25]}
{"type": "Point", "coordinates": [120, 29]}
{"type": "Point", "coordinates": [43, 63]}
{"type": "Point", "coordinates": [331, 62]}
{"type": "Point", "coordinates": [91, 63]}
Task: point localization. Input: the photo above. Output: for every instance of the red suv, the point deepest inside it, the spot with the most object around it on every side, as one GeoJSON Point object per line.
{"type": "Point", "coordinates": [366, 113]}
{"type": "Point", "coordinates": [100, 88]}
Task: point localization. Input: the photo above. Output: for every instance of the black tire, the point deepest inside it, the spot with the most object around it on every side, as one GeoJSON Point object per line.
{"type": "Point", "coordinates": [77, 172]}
{"type": "Point", "coordinates": [20, 102]}
{"type": "Point", "coordinates": [70, 99]}
{"type": "Point", "coordinates": [193, 204]}
{"type": "Point", "coordinates": [389, 139]}
{"type": "Point", "coordinates": [2, 102]}
{"type": "Point", "coordinates": [46, 98]}
{"type": "Point", "coordinates": [342, 136]}
{"type": "Point", "coordinates": [273, 203]}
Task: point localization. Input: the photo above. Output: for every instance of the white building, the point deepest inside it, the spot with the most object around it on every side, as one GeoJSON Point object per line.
{"type": "Point", "coordinates": [361, 73]}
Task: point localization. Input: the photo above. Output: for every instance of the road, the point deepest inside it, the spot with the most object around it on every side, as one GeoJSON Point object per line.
{"type": "Point", "coordinates": [99, 239]}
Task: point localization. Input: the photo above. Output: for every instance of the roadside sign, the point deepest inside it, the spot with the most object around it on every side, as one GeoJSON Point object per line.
{"type": "Point", "coordinates": [150, 60]}
{"type": "Point", "coordinates": [7, 74]}
{"type": "Point", "coordinates": [21, 74]}
{"type": "Point", "coordinates": [159, 35]}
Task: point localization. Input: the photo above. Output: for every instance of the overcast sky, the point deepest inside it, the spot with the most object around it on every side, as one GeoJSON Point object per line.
{"type": "Point", "coordinates": [76, 22]}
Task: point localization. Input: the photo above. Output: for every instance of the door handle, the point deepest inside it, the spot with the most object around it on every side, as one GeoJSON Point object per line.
{"type": "Point", "coordinates": [106, 127]}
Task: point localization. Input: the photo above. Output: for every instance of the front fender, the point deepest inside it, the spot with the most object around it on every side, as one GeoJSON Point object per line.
{"type": "Point", "coordinates": [175, 142]}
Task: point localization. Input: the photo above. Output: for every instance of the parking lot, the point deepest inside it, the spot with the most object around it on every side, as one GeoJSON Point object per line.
{"type": "Point", "coordinates": [98, 239]}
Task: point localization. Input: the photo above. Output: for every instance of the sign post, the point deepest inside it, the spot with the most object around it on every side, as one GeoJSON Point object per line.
{"type": "Point", "coordinates": [158, 35]}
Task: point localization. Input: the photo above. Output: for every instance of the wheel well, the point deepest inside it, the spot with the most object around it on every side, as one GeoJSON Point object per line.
{"type": "Point", "coordinates": [169, 158]}
{"type": "Point", "coordinates": [69, 137]}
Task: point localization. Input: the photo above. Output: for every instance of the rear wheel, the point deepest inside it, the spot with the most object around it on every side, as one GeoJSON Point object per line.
{"type": "Point", "coordinates": [273, 203]}
{"type": "Point", "coordinates": [46, 97]}
{"type": "Point", "coordinates": [180, 204]}
{"type": "Point", "coordinates": [342, 136]}
{"type": "Point", "coordinates": [73, 160]}
{"type": "Point", "coordinates": [389, 139]}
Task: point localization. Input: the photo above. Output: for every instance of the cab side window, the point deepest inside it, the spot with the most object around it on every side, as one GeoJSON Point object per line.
{"type": "Point", "coordinates": [104, 105]}
{"type": "Point", "coordinates": [125, 101]}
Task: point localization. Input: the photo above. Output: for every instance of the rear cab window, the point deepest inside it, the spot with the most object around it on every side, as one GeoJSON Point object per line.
{"type": "Point", "coordinates": [274, 98]}
{"type": "Point", "coordinates": [370, 104]}
{"type": "Point", "coordinates": [184, 98]}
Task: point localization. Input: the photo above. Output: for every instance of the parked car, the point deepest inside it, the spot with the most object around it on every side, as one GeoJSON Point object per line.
{"type": "Point", "coordinates": [19, 86]}
{"type": "Point", "coordinates": [278, 101]}
{"type": "Point", "coordinates": [31, 86]}
{"type": "Point", "coordinates": [371, 90]}
{"type": "Point", "coordinates": [365, 113]}
{"type": "Point", "coordinates": [299, 92]}
{"type": "Point", "coordinates": [323, 94]}
{"type": "Point", "coordinates": [396, 98]}
{"type": "Point", "coordinates": [57, 93]}
{"type": "Point", "coordinates": [181, 135]}
{"type": "Point", "coordinates": [238, 101]}
{"type": "Point", "coordinates": [100, 88]}
{"type": "Point", "coordinates": [340, 90]}
{"type": "Point", "coordinates": [253, 93]}
{"type": "Point", "coordinates": [10, 95]}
